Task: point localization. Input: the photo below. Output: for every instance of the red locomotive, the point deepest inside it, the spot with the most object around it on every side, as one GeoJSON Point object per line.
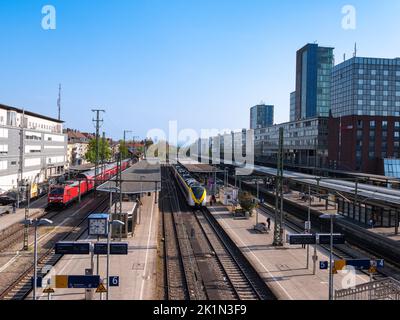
{"type": "Point", "coordinates": [63, 195]}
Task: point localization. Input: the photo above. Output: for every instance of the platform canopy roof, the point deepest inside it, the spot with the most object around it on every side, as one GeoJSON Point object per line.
{"type": "Point", "coordinates": [83, 167]}
{"type": "Point", "coordinates": [142, 177]}
{"type": "Point", "coordinates": [196, 167]}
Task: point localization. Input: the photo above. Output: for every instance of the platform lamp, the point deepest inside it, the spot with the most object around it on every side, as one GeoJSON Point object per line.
{"type": "Point", "coordinates": [331, 217]}
{"type": "Point", "coordinates": [110, 225]}
{"type": "Point", "coordinates": [36, 223]}
{"type": "Point", "coordinates": [140, 197]}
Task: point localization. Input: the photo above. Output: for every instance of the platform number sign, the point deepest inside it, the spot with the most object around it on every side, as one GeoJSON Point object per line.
{"type": "Point", "coordinates": [114, 281]}
{"type": "Point", "coordinates": [323, 265]}
{"type": "Point", "coordinates": [380, 263]}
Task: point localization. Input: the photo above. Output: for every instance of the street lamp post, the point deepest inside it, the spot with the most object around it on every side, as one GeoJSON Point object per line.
{"type": "Point", "coordinates": [110, 225]}
{"type": "Point", "coordinates": [140, 202]}
{"type": "Point", "coordinates": [308, 228]}
{"type": "Point", "coordinates": [36, 223]}
{"type": "Point", "coordinates": [331, 217]}
{"type": "Point", "coordinates": [226, 177]}
{"type": "Point", "coordinates": [258, 199]}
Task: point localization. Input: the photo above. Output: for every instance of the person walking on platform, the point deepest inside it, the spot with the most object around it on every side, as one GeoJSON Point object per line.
{"type": "Point", "coordinates": [269, 224]}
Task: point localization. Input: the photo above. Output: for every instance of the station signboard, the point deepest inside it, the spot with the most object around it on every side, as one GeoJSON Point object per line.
{"type": "Point", "coordinates": [295, 239]}
{"type": "Point", "coordinates": [39, 282]}
{"type": "Point", "coordinates": [323, 239]}
{"type": "Point", "coordinates": [326, 239]}
{"type": "Point", "coordinates": [83, 282]}
{"type": "Point", "coordinates": [75, 248]}
{"type": "Point", "coordinates": [365, 264]}
{"type": "Point", "coordinates": [115, 248]}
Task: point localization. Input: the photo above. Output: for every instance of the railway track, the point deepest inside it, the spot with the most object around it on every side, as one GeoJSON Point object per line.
{"type": "Point", "coordinates": [175, 279]}
{"type": "Point", "coordinates": [205, 249]}
{"type": "Point", "coordinates": [191, 280]}
{"type": "Point", "coordinates": [15, 233]}
{"type": "Point", "coordinates": [243, 278]}
{"type": "Point", "coordinates": [22, 286]}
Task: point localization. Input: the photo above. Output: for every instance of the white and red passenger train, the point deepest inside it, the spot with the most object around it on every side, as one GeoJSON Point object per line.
{"type": "Point", "coordinates": [61, 195]}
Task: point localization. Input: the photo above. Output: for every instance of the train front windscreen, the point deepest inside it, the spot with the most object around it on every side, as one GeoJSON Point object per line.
{"type": "Point", "coordinates": [57, 191]}
{"type": "Point", "coordinates": [198, 192]}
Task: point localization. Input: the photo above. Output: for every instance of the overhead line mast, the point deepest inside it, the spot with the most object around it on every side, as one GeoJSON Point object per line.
{"type": "Point", "coordinates": [278, 230]}
{"type": "Point", "coordinates": [98, 123]}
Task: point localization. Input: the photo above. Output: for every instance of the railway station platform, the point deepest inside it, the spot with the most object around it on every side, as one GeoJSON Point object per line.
{"type": "Point", "coordinates": [8, 219]}
{"type": "Point", "coordinates": [389, 233]}
{"type": "Point", "coordinates": [137, 271]}
{"type": "Point", "coordinates": [322, 206]}
{"type": "Point", "coordinates": [283, 269]}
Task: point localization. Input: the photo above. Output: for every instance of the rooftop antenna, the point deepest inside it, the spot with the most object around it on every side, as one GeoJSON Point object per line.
{"type": "Point", "coordinates": [59, 102]}
{"type": "Point", "coordinates": [344, 57]}
{"type": "Point", "coordinates": [355, 49]}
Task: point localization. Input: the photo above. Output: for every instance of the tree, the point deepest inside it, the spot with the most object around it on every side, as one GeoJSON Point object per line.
{"type": "Point", "coordinates": [123, 149]}
{"type": "Point", "coordinates": [247, 201]}
{"type": "Point", "coordinates": [104, 151]}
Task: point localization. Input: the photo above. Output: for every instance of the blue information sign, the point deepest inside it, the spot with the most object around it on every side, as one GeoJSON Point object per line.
{"type": "Point", "coordinates": [83, 282]}
{"type": "Point", "coordinates": [113, 281]}
{"type": "Point", "coordinates": [39, 282]}
{"type": "Point", "coordinates": [323, 265]}
{"type": "Point", "coordinates": [365, 264]}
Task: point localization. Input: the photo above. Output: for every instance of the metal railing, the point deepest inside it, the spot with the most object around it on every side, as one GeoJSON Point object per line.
{"type": "Point", "coordinates": [387, 289]}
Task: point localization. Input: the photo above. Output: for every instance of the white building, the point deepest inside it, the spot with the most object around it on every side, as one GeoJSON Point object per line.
{"type": "Point", "coordinates": [78, 146]}
{"type": "Point", "coordinates": [33, 147]}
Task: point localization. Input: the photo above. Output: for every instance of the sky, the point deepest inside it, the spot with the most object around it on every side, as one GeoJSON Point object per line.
{"type": "Point", "coordinates": [202, 63]}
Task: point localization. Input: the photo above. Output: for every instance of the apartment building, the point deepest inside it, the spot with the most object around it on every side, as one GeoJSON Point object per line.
{"type": "Point", "coordinates": [33, 147]}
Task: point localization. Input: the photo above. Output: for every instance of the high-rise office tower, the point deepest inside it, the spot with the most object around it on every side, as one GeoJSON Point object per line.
{"type": "Point", "coordinates": [313, 81]}
{"type": "Point", "coordinates": [261, 116]}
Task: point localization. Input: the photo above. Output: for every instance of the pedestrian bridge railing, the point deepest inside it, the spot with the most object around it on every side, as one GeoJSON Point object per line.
{"type": "Point", "coordinates": [387, 289]}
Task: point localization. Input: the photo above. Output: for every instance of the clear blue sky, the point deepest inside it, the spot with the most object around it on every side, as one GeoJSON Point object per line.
{"type": "Point", "coordinates": [201, 62]}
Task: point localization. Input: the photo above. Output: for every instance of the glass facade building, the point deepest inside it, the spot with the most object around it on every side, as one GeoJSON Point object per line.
{"type": "Point", "coordinates": [392, 168]}
{"type": "Point", "coordinates": [365, 118]}
{"type": "Point", "coordinates": [366, 87]}
{"type": "Point", "coordinates": [261, 116]}
{"type": "Point", "coordinates": [305, 143]}
{"type": "Point", "coordinates": [293, 106]}
{"type": "Point", "coordinates": [314, 66]}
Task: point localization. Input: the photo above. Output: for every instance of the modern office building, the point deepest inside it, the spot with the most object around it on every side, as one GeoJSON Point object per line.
{"type": "Point", "coordinates": [313, 81]}
{"type": "Point", "coordinates": [364, 127]}
{"type": "Point", "coordinates": [261, 116]}
{"type": "Point", "coordinates": [293, 106]}
{"type": "Point", "coordinates": [305, 143]}
{"type": "Point", "coordinates": [33, 147]}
